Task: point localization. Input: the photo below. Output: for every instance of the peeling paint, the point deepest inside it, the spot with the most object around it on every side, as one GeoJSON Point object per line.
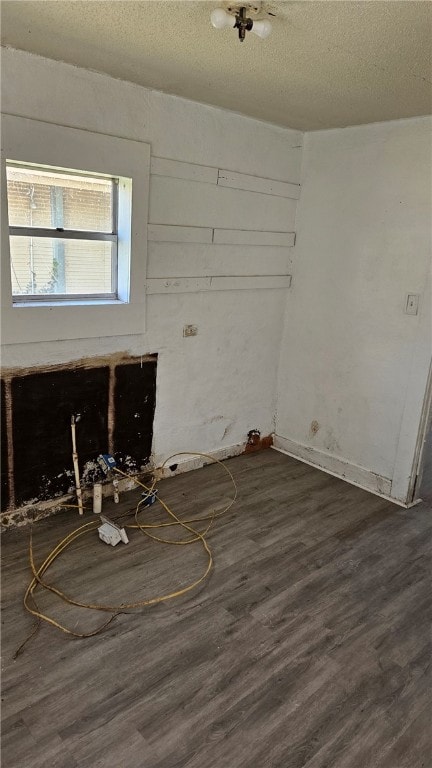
{"type": "Point", "coordinates": [116, 358]}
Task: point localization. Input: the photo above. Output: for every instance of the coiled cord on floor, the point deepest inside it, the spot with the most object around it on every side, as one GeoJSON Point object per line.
{"type": "Point", "coordinates": [38, 572]}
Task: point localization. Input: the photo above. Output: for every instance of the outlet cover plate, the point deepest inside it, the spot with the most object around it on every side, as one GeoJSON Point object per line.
{"type": "Point", "coordinates": [412, 304]}
{"type": "Point", "coordinates": [190, 330]}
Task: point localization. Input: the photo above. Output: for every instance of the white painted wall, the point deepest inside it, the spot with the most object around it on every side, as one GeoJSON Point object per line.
{"type": "Point", "coordinates": [351, 360]}
{"type": "Point", "coordinates": [216, 386]}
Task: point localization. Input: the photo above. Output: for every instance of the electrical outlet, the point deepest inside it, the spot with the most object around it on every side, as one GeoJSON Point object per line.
{"type": "Point", "coordinates": [190, 330]}
{"type": "Point", "coordinates": [412, 304]}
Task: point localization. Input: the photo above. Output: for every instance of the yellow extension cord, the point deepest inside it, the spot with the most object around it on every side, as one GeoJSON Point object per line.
{"type": "Point", "coordinates": [115, 610]}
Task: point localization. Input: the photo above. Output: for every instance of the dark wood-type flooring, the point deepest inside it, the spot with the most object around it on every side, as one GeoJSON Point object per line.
{"type": "Point", "coordinates": [309, 645]}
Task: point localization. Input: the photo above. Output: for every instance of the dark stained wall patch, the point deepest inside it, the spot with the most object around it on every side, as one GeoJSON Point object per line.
{"type": "Point", "coordinates": [134, 405]}
{"type": "Point", "coordinates": [42, 405]}
{"type": "Point", "coordinates": [4, 453]}
{"type": "Point", "coordinates": [116, 401]}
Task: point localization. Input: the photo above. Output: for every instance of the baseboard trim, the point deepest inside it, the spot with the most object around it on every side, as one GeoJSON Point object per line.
{"type": "Point", "coordinates": [333, 465]}
{"type": "Point", "coordinates": [187, 464]}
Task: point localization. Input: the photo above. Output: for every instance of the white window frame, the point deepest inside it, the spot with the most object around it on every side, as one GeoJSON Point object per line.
{"type": "Point", "coordinates": [33, 142]}
{"type": "Point", "coordinates": [74, 234]}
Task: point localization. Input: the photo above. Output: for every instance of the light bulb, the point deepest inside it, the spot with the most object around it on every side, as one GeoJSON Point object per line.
{"type": "Point", "coordinates": [220, 19]}
{"type": "Point", "coordinates": [262, 28]}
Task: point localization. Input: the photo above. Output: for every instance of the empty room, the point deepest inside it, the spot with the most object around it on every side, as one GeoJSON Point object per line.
{"type": "Point", "coordinates": [216, 384]}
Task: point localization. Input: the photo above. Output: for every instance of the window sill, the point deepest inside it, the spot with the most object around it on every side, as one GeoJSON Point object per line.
{"type": "Point", "coordinates": [72, 303]}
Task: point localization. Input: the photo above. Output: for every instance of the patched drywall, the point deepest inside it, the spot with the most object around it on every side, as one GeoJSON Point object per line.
{"type": "Point", "coordinates": [212, 388]}
{"type": "Point", "coordinates": [354, 365]}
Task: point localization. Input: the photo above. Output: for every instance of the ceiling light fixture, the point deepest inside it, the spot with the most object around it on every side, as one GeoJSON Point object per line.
{"type": "Point", "coordinates": [238, 20]}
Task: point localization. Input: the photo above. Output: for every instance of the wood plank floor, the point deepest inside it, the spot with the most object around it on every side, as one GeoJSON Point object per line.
{"type": "Point", "coordinates": [308, 646]}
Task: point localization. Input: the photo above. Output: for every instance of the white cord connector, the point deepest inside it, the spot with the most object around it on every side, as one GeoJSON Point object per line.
{"type": "Point", "coordinates": [111, 533]}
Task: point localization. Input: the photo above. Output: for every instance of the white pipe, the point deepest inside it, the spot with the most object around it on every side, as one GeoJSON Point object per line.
{"type": "Point", "coordinates": [97, 498]}
{"type": "Point", "coordinates": [76, 466]}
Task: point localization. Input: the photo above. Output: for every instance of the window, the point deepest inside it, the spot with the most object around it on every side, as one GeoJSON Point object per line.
{"type": "Point", "coordinates": [74, 210]}
{"type": "Point", "coordinates": [63, 229]}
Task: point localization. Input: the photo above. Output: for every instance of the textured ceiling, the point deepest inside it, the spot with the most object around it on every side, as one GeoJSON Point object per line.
{"type": "Point", "coordinates": [326, 64]}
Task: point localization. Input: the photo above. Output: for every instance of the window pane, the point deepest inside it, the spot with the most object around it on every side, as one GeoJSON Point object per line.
{"type": "Point", "coordinates": [49, 266]}
{"type": "Point", "coordinates": [47, 199]}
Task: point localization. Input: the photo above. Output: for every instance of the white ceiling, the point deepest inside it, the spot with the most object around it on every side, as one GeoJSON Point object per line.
{"type": "Point", "coordinates": [326, 64]}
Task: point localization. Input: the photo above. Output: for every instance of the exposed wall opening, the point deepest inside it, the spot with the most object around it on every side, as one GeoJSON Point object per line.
{"type": "Point", "coordinates": [115, 397]}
